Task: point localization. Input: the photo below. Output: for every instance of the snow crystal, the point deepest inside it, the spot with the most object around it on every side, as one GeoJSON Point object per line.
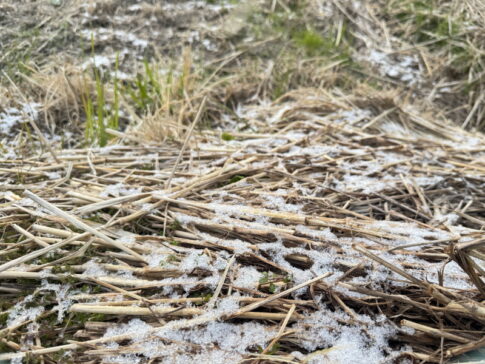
{"type": "Point", "coordinates": [428, 181]}
{"type": "Point", "coordinates": [447, 219]}
{"type": "Point", "coordinates": [351, 116]}
{"type": "Point", "coordinates": [210, 46]}
{"type": "Point", "coordinates": [227, 305]}
{"type": "Point", "coordinates": [120, 75]}
{"type": "Point", "coordinates": [104, 34]}
{"type": "Point", "coordinates": [194, 260]}
{"type": "Point", "coordinates": [220, 342]}
{"type": "Point", "coordinates": [314, 150]}
{"type": "Point", "coordinates": [411, 230]}
{"type": "Point", "coordinates": [364, 184]}
{"type": "Point", "coordinates": [453, 276]}
{"type": "Point", "coordinates": [155, 260]}
{"type": "Point", "coordinates": [240, 247]}
{"type": "Point", "coordinates": [394, 129]}
{"type": "Point", "coordinates": [127, 239]}
{"type": "Point", "coordinates": [123, 359]}
{"type": "Point", "coordinates": [279, 114]}
{"type": "Point", "coordinates": [234, 338]}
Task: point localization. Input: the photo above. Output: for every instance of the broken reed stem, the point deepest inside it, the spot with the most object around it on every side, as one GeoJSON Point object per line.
{"type": "Point", "coordinates": [281, 330]}
{"type": "Point", "coordinates": [166, 311]}
{"type": "Point", "coordinates": [218, 290]}
{"type": "Point", "coordinates": [271, 298]}
{"type": "Point", "coordinates": [434, 332]}
{"type": "Point", "coordinates": [38, 253]}
{"type": "Point", "coordinates": [79, 224]}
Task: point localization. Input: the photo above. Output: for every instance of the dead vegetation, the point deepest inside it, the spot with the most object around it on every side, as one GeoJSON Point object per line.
{"type": "Point", "coordinates": [328, 215]}
{"type": "Point", "coordinates": [281, 181]}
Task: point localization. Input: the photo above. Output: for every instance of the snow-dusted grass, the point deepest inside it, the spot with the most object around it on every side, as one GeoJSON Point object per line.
{"type": "Point", "coordinates": [248, 216]}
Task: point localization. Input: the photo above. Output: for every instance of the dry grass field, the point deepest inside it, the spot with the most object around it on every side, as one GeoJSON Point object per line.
{"type": "Point", "coordinates": [264, 181]}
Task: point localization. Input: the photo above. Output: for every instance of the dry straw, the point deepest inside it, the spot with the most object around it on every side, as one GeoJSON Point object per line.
{"type": "Point", "coordinates": [331, 206]}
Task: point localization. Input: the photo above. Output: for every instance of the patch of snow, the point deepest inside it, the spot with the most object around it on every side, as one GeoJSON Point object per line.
{"type": "Point", "coordinates": [136, 328]}
{"type": "Point", "coordinates": [53, 175]}
{"type": "Point", "coordinates": [403, 68]}
{"type": "Point", "coordinates": [247, 277]}
{"type": "Point", "coordinates": [118, 190]}
{"type": "Point", "coordinates": [346, 341]}
{"type": "Point", "coordinates": [325, 234]}
{"type": "Point", "coordinates": [98, 61]}
{"type": "Point", "coordinates": [20, 313]}
{"type": "Point", "coordinates": [12, 116]}
{"type": "Point", "coordinates": [93, 269]}
{"type": "Point", "coordinates": [278, 203]}
{"type": "Point", "coordinates": [104, 34]}
{"type": "Point", "coordinates": [62, 297]}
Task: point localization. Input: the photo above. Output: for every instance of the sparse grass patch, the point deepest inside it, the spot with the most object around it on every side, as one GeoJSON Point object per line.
{"type": "Point", "coordinates": [311, 41]}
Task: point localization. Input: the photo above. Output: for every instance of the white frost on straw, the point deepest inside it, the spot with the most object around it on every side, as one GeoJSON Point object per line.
{"type": "Point", "coordinates": [324, 234]}
{"type": "Point", "coordinates": [136, 328]}
{"type": "Point", "coordinates": [413, 232]}
{"type": "Point", "coordinates": [278, 203]}
{"type": "Point", "coordinates": [118, 190]}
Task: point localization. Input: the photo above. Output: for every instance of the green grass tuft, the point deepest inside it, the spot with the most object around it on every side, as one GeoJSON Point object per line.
{"type": "Point", "coordinates": [227, 137]}
{"type": "Point", "coordinates": [311, 41]}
